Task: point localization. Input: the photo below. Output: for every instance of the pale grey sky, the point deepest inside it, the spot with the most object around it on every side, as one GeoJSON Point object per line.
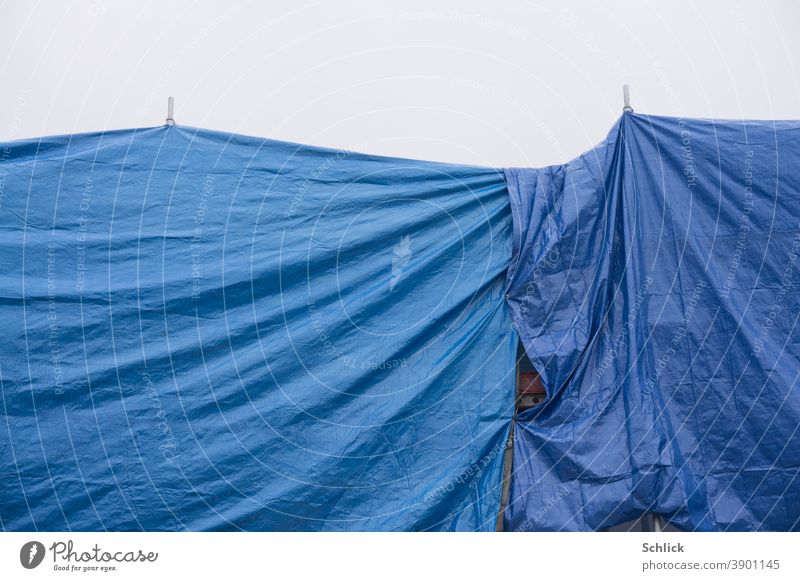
{"type": "Point", "coordinates": [503, 83]}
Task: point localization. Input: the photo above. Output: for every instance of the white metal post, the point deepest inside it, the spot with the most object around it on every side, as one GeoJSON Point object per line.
{"type": "Point", "coordinates": [170, 107]}
{"type": "Point", "coordinates": [626, 98]}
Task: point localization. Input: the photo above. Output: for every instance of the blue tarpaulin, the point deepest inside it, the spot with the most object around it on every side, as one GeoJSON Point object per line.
{"type": "Point", "coordinates": [655, 287]}
{"type": "Point", "coordinates": [207, 331]}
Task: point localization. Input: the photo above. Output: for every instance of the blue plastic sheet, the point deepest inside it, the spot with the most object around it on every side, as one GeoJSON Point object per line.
{"type": "Point", "coordinates": [207, 331]}
{"type": "Point", "coordinates": [654, 284]}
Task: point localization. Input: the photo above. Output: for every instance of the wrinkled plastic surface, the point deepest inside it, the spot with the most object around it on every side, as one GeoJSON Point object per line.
{"type": "Point", "coordinates": [207, 331]}
{"type": "Point", "coordinates": [655, 287]}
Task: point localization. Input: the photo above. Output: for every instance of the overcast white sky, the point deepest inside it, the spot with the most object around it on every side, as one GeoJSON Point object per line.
{"type": "Point", "coordinates": [501, 83]}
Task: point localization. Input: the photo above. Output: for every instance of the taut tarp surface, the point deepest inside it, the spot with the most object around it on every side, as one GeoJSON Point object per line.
{"type": "Point", "coordinates": [207, 331]}
{"type": "Point", "coordinates": [655, 287]}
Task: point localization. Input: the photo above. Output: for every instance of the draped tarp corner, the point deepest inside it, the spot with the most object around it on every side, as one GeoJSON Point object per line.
{"type": "Point", "coordinates": [655, 287]}
{"type": "Point", "coordinates": [207, 331]}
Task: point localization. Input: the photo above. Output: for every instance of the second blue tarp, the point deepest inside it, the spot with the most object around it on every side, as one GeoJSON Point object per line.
{"type": "Point", "coordinates": [656, 289]}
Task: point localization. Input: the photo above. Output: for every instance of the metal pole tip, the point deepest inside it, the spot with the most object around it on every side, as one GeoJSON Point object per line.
{"type": "Point", "coordinates": [170, 107]}
{"type": "Point", "coordinates": [626, 99]}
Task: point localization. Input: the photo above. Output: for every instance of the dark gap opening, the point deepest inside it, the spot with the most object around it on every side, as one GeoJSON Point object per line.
{"type": "Point", "coordinates": [530, 390]}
